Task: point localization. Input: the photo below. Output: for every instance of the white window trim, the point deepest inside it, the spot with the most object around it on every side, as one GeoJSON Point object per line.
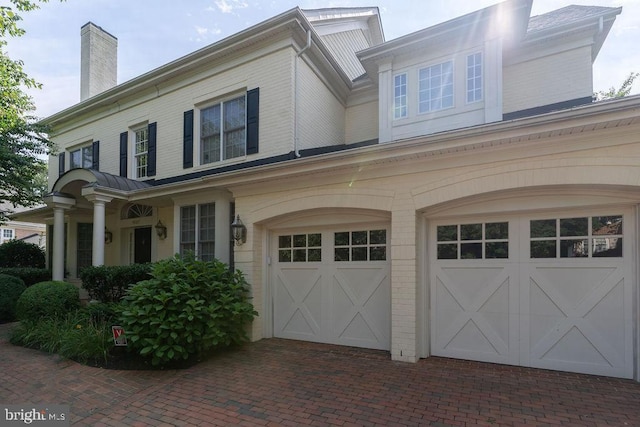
{"type": "Point", "coordinates": [197, 133]}
{"type": "Point", "coordinates": [6, 239]}
{"type": "Point", "coordinates": [453, 84]}
{"type": "Point", "coordinates": [466, 77]}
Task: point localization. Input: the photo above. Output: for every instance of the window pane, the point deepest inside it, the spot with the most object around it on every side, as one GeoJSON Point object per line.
{"type": "Point", "coordinates": [574, 226]}
{"type": "Point", "coordinates": [471, 232]}
{"type": "Point", "coordinates": [378, 253]}
{"type": "Point", "coordinates": [378, 237]}
{"type": "Point", "coordinates": [448, 251]}
{"type": "Point", "coordinates": [543, 228]}
{"type": "Point", "coordinates": [315, 240]}
{"type": "Point", "coordinates": [210, 131]}
{"type": "Point", "coordinates": [234, 128]}
{"type": "Point", "coordinates": [603, 225]}
{"type": "Point", "coordinates": [496, 230]}
{"type": "Point", "coordinates": [188, 224]}
{"type": "Point", "coordinates": [341, 239]}
{"type": "Point", "coordinates": [359, 254]}
{"type": "Point", "coordinates": [75, 160]}
{"type": "Point", "coordinates": [471, 251]}
{"type": "Point", "coordinates": [315, 255]}
{"type": "Point", "coordinates": [496, 250]}
{"type": "Point", "coordinates": [284, 241]}
{"type": "Point", "coordinates": [574, 248]}
{"type": "Point", "coordinates": [359, 238]}
{"type": "Point", "coordinates": [606, 247]}
{"type": "Point", "coordinates": [300, 241]}
{"type": "Point", "coordinates": [299, 255]}
{"type": "Point", "coordinates": [284, 255]}
{"type": "Point", "coordinates": [447, 233]}
{"type": "Point", "coordinates": [87, 157]}
{"type": "Point", "coordinates": [543, 249]}
{"type": "Point", "coordinates": [341, 254]}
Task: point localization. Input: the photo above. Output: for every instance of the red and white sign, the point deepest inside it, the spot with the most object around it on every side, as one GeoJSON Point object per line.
{"type": "Point", "coordinates": [119, 338]}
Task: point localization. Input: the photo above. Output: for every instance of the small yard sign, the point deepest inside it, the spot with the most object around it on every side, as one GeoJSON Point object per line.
{"type": "Point", "coordinates": [119, 337]}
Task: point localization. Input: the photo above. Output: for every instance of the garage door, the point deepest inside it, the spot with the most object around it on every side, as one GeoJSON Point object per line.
{"type": "Point", "coordinates": [550, 291]}
{"type": "Point", "coordinates": [333, 286]}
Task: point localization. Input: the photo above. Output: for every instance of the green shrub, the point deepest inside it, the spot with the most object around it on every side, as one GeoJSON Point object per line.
{"type": "Point", "coordinates": [109, 284]}
{"type": "Point", "coordinates": [11, 288]}
{"type": "Point", "coordinates": [74, 336]}
{"type": "Point", "coordinates": [47, 299]}
{"type": "Point", "coordinates": [18, 253]}
{"type": "Point", "coordinates": [30, 276]}
{"type": "Point", "coordinates": [187, 308]}
{"type": "Point", "coordinates": [104, 312]}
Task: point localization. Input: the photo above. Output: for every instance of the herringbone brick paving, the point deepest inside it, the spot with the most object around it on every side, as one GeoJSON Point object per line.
{"type": "Point", "coordinates": [289, 383]}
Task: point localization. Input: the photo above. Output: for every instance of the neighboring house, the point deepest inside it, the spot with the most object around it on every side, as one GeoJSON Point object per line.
{"type": "Point", "coordinates": [26, 231]}
{"type": "Point", "coordinates": [453, 192]}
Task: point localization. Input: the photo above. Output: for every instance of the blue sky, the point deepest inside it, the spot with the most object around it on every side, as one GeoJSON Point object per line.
{"type": "Point", "coordinates": [153, 32]}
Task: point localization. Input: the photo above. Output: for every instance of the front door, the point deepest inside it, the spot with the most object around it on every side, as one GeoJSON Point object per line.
{"type": "Point", "coordinates": [142, 245]}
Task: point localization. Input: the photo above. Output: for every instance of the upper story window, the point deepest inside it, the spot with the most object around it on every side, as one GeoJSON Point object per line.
{"type": "Point", "coordinates": [474, 77]}
{"type": "Point", "coordinates": [141, 151]}
{"type": "Point", "coordinates": [81, 158]}
{"type": "Point", "coordinates": [400, 96]}
{"type": "Point", "coordinates": [435, 87]}
{"type": "Point", "coordinates": [7, 234]}
{"type": "Point", "coordinates": [223, 131]}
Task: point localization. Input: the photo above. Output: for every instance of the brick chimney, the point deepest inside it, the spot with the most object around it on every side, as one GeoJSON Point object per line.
{"type": "Point", "coordinates": [98, 60]}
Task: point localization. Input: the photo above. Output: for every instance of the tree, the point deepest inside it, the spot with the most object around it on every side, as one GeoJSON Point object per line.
{"type": "Point", "coordinates": [23, 140]}
{"type": "Point", "coordinates": [625, 89]}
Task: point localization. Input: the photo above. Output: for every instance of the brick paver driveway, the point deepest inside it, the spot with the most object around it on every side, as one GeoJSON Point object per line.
{"type": "Point", "coordinates": [278, 382]}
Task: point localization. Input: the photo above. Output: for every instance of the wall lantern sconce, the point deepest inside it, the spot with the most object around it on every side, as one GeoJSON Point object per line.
{"type": "Point", "coordinates": [239, 231]}
{"type": "Point", "coordinates": [108, 236]}
{"type": "Point", "coordinates": [161, 230]}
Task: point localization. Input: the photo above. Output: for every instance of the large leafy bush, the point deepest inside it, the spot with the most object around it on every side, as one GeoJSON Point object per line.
{"type": "Point", "coordinates": [11, 288]}
{"type": "Point", "coordinates": [17, 253]}
{"type": "Point", "coordinates": [47, 300]}
{"type": "Point", "coordinates": [109, 284]}
{"type": "Point", "coordinates": [30, 276]}
{"type": "Point", "coordinates": [187, 308]}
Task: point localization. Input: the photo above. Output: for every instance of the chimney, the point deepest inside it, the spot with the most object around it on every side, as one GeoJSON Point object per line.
{"type": "Point", "coordinates": [98, 60]}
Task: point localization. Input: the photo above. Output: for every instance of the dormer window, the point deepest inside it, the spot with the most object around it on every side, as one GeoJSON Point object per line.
{"type": "Point", "coordinates": [474, 77]}
{"type": "Point", "coordinates": [222, 131]}
{"type": "Point", "coordinates": [435, 87]}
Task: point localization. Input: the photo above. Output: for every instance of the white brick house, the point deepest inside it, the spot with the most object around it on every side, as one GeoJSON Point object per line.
{"type": "Point", "coordinates": [453, 192]}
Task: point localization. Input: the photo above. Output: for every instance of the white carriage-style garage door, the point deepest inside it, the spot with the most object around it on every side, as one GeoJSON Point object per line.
{"type": "Point", "coordinates": [333, 286]}
{"type": "Point", "coordinates": [551, 291]}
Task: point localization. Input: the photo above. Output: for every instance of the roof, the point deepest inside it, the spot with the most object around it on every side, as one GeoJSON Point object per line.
{"type": "Point", "coordinates": [101, 179]}
{"type": "Point", "coordinates": [567, 15]}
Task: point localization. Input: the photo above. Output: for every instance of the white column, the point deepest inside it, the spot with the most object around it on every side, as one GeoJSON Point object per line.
{"type": "Point", "coordinates": [59, 202]}
{"type": "Point", "coordinates": [99, 203]}
{"type": "Point", "coordinates": [223, 230]}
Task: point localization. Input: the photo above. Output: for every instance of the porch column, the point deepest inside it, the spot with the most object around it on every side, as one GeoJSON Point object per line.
{"type": "Point", "coordinates": [99, 203]}
{"type": "Point", "coordinates": [59, 202]}
{"type": "Point", "coordinates": [223, 230]}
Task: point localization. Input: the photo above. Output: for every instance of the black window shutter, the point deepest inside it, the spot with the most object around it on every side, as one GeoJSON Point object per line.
{"type": "Point", "coordinates": [123, 153]}
{"type": "Point", "coordinates": [60, 164]}
{"type": "Point", "coordinates": [95, 151]}
{"type": "Point", "coordinates": [253, 107]}
{"type": "Point", "coordinates": [151, 153]}
{"type": "Point", "coordinates": [187, 147]}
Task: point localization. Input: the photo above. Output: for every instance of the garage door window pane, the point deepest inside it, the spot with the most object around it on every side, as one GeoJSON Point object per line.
{"type": "Point", "coordinates": [314, 255]}
{"type": "Point", "coordinates": [341, 239]}
{"type": "Point", "coordinates": [315, 240]}
{"type": "Point", "coordinates": [543, 228]}
{"type": "Point", "coordinates": [299, 255]}
{"type": "Point", "coordinates": [543, 249]}
{"type": "Point", "coordinates": [471, 232]}
{"type": "Point", "coordinates": [574, 227]}
{"type": "Point", "coordinates": [574, 248]}
{"type": "Point", "coordinates": [359, 254]}
{"type": "Point", "coordinates": [361, 245]}
{"type": "Point", "coordinates": [447, 233]}
{"type": "Point", "coordinates": [341, 254]}
{"type": "Point", "coordinates": [448, 251]}
{"type": "Point", "coordinates": [299, 240]}
{"type": "Point", "coordinates": [497, 230]}
{"type": "Point", "coordinates": [606, 225]}
{"type": "Point", "coordinates": [284, 255]}
{"type": "Point", "coordinates": [497, 250]}
{"type": "Point", "coordinates": [607, 247]}
{"type": "Point", "coordinates": [284, 241]}
{"type": "Point", "coordinates": [378, 253]}
{"type": "Point", "coordinates": [359, 238]}
{"type": "Point", "coordinates": [471, 251]}
{"type": "Point", "coordinates": [378, 237]}
{"type": "Point", "coordinates": [300, 248]}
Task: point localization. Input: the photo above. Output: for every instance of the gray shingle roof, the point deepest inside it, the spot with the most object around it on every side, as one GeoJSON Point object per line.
{"type": "Point", "coordinates": [566, 16]}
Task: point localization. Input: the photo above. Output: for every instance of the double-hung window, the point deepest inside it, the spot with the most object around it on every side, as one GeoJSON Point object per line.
{"type": "Point", "coordinates": [474, 77]}
{"type": "Point", "coordinates": [400, 96]}
{"type": "Point", "coordinates": [7, 234]}
{"type": "Point", "coordinates": [141, 151]}
{"type": "Point", "coordinates": [81, 158]}
{"type": "Point", "coordinates": [435, 87]}
{"type": "Point", "coordinates": [197, 230]}
{"type": "Point", "coordinates": [223, 131]}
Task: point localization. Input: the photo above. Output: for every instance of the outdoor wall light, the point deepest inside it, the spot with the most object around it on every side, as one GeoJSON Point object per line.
{"type": "Point", "coordinates": [108, 236]}
{"type": "Point", "coordinates": [161, 230]}
{"type": "Point", "coordinates": [239, 231]}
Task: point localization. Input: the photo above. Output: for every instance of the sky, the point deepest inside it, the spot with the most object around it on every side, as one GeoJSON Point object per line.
{"type": "Point", "coordinates": [152, 33]}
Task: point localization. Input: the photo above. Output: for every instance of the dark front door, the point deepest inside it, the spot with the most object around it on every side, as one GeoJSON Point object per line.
{"type": "Point", "coordinates": [142, 249]}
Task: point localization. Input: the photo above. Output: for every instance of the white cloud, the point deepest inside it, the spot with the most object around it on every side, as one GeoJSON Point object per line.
{"type": "Point", "coordinates": [227, 6]}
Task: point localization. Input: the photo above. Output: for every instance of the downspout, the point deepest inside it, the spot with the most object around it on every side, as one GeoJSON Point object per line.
{"type": "Point", "coordinates": [295, 95]}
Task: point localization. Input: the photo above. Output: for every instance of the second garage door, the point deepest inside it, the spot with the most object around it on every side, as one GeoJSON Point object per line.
{"type": "Point", "coordinates": [333, 286]}
{"type": "Point", "coordinates": [550, 291]}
